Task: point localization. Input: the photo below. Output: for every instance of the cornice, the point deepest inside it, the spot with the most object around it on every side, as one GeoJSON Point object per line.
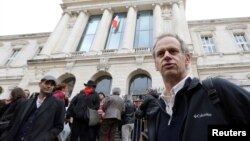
{"type": "Point", "coordinates": [25, 36]}
{"type": "Point", "coordinates": [219, 21]}
{"type": "Point", "coordinates": [115, 5]}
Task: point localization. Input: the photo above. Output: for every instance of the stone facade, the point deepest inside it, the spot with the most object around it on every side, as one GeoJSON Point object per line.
{"type": "Point", "coordinates": [55, 53]}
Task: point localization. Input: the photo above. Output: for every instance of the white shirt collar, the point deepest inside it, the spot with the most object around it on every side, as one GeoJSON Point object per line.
{"type": "Point", "coordinates": [179, 86]}
{"type": "Point", "coordinates": [169, 100]}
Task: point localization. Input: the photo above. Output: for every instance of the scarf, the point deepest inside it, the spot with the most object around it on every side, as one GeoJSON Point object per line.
{"type": "Point", "coordinates": [88, 91]}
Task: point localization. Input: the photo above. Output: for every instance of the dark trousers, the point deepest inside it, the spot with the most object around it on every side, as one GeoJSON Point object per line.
{"type": "Point", "coordinates": [93, 132]}
{"type": "Point", "coordinates": [110, 128]}
{"type": "Point", "coordinates": [79, 129]}
{"type": "Point", "coordinates": [138, 128]}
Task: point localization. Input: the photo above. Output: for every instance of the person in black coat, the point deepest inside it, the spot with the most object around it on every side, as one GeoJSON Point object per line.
{"type": "Point", "coordinates": [87, 98]}
{"type": "Point", "coordinates": [128, 118]}
{"type": "Point", "coordinates": [187, 107]}
{"type": "Point", "coordinates": [17, 97]}
{"type": "Point", "coordinates": [37, 119]}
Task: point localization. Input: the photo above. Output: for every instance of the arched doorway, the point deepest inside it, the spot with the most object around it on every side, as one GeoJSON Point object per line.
{"type": "Point", "coordinates": [103, 84]}
{"type": "Point", "coordinates": [139, 84]}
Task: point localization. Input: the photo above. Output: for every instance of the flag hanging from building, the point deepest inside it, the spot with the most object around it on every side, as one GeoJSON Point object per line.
{"type": "Point", "coordinates": [115, 22]}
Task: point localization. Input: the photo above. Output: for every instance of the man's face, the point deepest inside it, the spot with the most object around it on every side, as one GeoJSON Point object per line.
{"type": "Point", "coordinates": [46, 87]}
{"type": "Point", "coordinates": [26, 93]}
{"type": "Point", "coordinates": [169, 58]}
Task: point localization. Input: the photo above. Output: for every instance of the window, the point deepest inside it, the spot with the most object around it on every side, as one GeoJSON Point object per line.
{"type": "Point", "coordinates": [241, 41]}
{"type": "Point", "coordinates": [12, 56]}
{"type": "Point", "coordinates": [208, 44]}
{"type": "Point", "coordinates": [103, 84]}
{"type": "Point", "coordinates": [139, 84]}
{"type": "Point", "coordinates": [144, 31]}
{"type": "Point", "coordinates": [89, 33]}
{"type": "Point", "coordinates": [116, 34]}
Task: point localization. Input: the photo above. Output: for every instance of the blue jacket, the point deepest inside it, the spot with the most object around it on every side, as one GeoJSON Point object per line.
{"type": "Point", "coordinates": [199, 111]}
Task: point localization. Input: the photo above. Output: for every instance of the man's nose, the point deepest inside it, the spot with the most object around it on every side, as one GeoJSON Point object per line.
{"type": "Point", "coordinates": [167, 55]}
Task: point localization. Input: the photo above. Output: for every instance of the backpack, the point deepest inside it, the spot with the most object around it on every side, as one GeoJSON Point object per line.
{"type": "Point", "coordinates": [79, 107]}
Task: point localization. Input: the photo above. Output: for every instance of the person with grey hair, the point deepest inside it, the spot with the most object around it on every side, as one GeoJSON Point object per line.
{"type": "Point", "coordinates": [187, 105]}
{"type": "Point", "coordinates": [38, 119]}
{"type": "Point", "coordinates": [113, 108]}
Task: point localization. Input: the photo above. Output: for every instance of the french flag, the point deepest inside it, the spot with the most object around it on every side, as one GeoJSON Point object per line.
{"type": "Point", "coordinates": [115, 22]}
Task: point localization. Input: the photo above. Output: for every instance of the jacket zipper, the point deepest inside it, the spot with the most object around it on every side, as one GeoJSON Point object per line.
{"type": "Point", "coordinates": [170, 119]}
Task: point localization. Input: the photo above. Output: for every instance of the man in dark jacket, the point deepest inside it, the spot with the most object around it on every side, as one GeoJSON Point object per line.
{"type": "Point", "coordinates": [128, 118]}
{"type": "Point", "coordinates": [185, 109]}
{"type": "Point", "coordinates": [38, 119]}
{"type": "Point", "coordinates": [87, 98]}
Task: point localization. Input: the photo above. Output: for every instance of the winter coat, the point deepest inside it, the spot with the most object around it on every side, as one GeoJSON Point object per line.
{"type": "Point", "coordinates": [128, 115]}
{"type": "Point", "coordinates": [47, 125]}
{"type": "Point", "coordinates": [199, 110]}
{"type": "Point", "coordinates": [79, 104]}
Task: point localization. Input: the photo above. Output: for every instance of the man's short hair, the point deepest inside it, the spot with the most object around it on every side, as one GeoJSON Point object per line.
{"type": "Point", "coordinates": [182, 43]}
{"type": "Point", "coordinates": [116, 91]}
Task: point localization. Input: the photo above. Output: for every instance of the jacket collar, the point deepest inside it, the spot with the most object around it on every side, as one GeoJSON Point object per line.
{"type": "Point", "coordinates": [194, 83]}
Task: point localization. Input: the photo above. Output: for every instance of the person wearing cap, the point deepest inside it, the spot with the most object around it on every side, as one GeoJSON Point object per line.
{"type": "Point", "coordinates": [38, 119]}
{"type": "Point", "coordinates": [113, 108]}
{"type": "Point", "coordinates": [86, 98]}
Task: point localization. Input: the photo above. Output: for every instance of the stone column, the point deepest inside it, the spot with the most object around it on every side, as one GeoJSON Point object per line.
{"type": "Point", "coordinates": [176, 20]}
{"type": "Point", "coordinates": [184, 24]}
{"type": "Point", "coordinates": [55, 35]}
{"type": "Point", "coordinates": [129, 31]}
{"type": "Point", "coordinates": [76, 33]}
{"type": "Point", "coordinates": [157, 19]}
{"type": "Point", "coordinates": [102, 31]}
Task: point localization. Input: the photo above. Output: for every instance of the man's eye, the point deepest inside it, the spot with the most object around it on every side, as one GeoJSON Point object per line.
{"type": "Point", "coordinates": [173, 51]}
{"type": "Point", "coordinates": [160, 54]}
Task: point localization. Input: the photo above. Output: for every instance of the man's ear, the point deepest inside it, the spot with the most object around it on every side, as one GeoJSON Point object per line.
{"type": "Point", "coordinates": [187, 58]}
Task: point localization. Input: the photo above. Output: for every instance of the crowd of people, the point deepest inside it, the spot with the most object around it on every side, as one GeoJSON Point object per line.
{"type": "Point", "coordinates": [182, 112]}
{"type": "Point", "coordinates": [43, 115]}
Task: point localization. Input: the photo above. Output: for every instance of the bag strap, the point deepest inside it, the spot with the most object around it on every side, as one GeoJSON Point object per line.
{"type": "Point", "coordinates": [212, 92]}
{"type": "Point", "coordinates": [215, 99]}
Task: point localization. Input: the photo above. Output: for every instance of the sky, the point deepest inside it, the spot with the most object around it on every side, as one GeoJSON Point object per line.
{"type": "Point", "coordinates": [36, 16]}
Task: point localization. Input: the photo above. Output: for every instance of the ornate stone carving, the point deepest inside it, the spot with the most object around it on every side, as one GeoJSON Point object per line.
{"type": "Point", "coordinates": [103, 64]}
{"type": "Point", "coordinates": [166, 13]}
{"type": "Point", "coordinates": [139, 60]}
{"type": "Point", "coordinates": [69, 65]}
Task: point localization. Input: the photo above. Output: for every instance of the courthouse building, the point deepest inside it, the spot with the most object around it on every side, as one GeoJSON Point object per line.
{"type": "Point", "coordinates": [110, 42]}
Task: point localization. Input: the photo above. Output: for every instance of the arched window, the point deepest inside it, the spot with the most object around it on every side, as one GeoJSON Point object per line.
{"type": "Point", "coordinates": [70, 82]}
{"type": "Point", "coordinates": [138, 84]}
{"type": "Point", "coordinates": [104, 84]}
